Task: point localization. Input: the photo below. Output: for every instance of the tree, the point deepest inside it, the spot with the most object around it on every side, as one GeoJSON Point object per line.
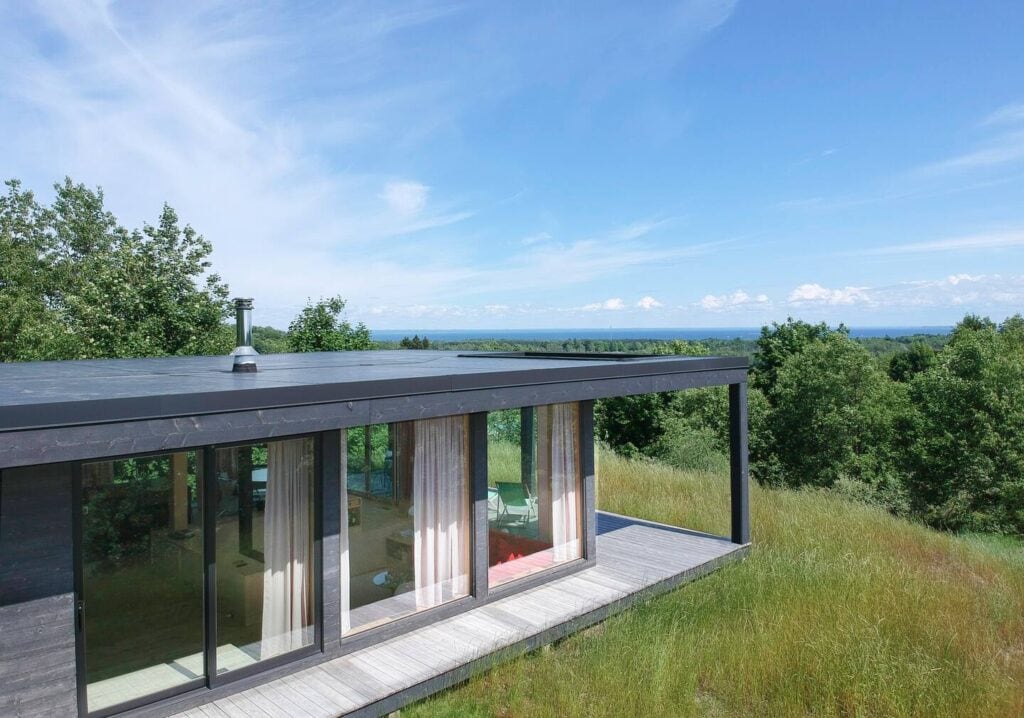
{"type": "Point", "coordinates": [834, 418]}
{"type": "Point", "coordinates": [967, 454]}
{"type": "Point", "coordinates": [319, 328]}
{"type": "Point", "coordinates": [268, 340]}
{"type": "Point", "coordinates": [75, 284]}
{"type": "Point", "coordinates": [782, 341]}
{"type": "Point", "coordinates": [904, 365]}
{"type": "Point", "coordinates": [414, 343]}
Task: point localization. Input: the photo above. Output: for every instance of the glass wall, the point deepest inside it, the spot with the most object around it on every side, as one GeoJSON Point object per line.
{"type": "Point", "coordinates": [141, 577]}
{"type": "Point", "coordinates": [534, 490]}
{"type": "Point", "coordinates": [264, 551]}
{"type": "Point", "coordinates": [407, 545]}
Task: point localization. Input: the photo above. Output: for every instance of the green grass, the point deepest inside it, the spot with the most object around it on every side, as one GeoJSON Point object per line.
{"type": "Point", "coordinates": [840, 610]}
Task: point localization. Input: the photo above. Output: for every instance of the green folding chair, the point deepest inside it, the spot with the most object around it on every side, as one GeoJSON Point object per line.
{"type": "Point", "coordinates": [515, 502]}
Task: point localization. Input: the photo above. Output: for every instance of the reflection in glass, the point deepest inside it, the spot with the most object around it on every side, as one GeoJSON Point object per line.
{"type": "Point", "coordinates": [265, 517]}
{"type": "Point", "coordinates": [142, 577]}
{"type": "Point", "coordinates": [407, 543]}
{"type": "Point", "coordinates": [534, 493]}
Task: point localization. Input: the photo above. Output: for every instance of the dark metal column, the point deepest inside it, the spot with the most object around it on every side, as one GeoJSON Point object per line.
{"type": "Point", "coordinates": [739, 479]}
{"type": "Point", "coordinates": [333, 514]}
{"type": "Point", "coordinates": [478, 478]}
{"type": "Point", "coordinates": [588, 467]}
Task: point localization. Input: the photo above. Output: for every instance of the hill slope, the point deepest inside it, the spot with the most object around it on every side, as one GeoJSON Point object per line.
{"type": "Point", "coordinates": [840, 610]}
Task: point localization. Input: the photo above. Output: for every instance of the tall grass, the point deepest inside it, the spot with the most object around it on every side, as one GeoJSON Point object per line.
{"type": "Point", "coordinates": [840, 610]}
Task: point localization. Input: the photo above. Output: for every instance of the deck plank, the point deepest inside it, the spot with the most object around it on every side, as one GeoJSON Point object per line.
{"type": "Point", "coordinates": [632, 557]}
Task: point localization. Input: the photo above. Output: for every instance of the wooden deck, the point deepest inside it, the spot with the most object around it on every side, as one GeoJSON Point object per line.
{"type": "Point", "coordinates": [636, 559]}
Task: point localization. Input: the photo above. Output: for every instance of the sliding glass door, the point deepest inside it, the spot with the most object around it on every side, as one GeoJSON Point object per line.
{"type": "Point", "coordinates": [265, 587]}
{"type": "Point", "coordinates": [141, 578]}
{"type": "Point", "coordinates": [407, 541]}
{"type": "Point", "coordinates": [191, 566]}
{"type": "Point", "coordinates": [534, 490]}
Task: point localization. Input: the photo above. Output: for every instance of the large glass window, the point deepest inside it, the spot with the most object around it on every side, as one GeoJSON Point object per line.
{"type": "Point", "coordinates": [142, 577]}
{"type": "Point", "coordinates": [533, 468]}
{"type": "Point", "coordinates": [264, 551]}
{"type": "Point", "coordinates": [406, 543]}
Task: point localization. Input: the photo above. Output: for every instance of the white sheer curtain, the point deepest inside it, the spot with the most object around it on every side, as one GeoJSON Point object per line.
{"type": "Point", "coordinates": [346, 579]}
{"type": "Point", "coordinates": [288, 548]}
{"type": "Point", "coordinates": [558, 477]}
{"type": "Point", "coordinates": [441, 510]}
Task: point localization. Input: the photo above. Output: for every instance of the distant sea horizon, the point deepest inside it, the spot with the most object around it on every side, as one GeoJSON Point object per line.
{"type": "Point", "coordinates": [663, 333]}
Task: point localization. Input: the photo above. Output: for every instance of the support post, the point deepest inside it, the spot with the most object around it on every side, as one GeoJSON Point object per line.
{"type": "Point", "coordinates": [588, 468]}
{"type": "Point", "coordinates": [333, 514]}
{"type": "Point", "coordinates": [478, 477]}
{"type": "Point", "coordinates": [739, 479]}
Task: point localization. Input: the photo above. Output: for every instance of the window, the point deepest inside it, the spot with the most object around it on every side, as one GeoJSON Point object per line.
{"type": "Point", "coordinates": [534, 491]}
{"type": "Point", "coordinates": [406, 544]}
{"type": "Point", "coordinates": [264, 551]}
{"type": "Point", "coordinates": [141, 577]}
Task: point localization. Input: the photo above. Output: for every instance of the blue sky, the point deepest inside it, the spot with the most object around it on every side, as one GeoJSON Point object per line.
{"type": "Point", "coordinates": [504, 165]}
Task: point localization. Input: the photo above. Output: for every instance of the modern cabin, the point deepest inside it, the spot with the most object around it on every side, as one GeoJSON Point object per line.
{"type": "Point", "coordinates": [331, 534]}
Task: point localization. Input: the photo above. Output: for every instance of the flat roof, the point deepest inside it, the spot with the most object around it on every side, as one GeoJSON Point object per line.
{"type": "Point", "coordinates": [68, 393]}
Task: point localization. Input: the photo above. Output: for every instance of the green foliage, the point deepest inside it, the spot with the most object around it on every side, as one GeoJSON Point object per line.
{"type": "Point", "coordinates": [904, 365]}
{"type": "Point", "coordinates": [75, 284]}
{"type": "Point", "coordinates": [779, 342]}
{"type": "Point", "coordinates": [967, 456]}
{"type": "Point", "coordinates": [935, 430]}
{"type": "Point", "coordinates": [505, 425]}
{"type": "Point", "coordinates": [268, 340]}
{"type": "Point", "coordinates": [320, 328]}
{"type": "Point", "coordinates": [834, 417]}
{"type": "Point", "coordinates": [634, 425]}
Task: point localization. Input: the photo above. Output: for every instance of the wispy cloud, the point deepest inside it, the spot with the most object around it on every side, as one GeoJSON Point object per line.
{"type": "Point", "coordinates": [287, 134]}
{"type": "Point", "coordinates": [405, 198]}
{"type": "Point", "coordinates": [1005, 147]}
{"type": "Point", "coordinates": [970, 243]}
{"type": "Point", "coordinates": [535, 238]}
{"type": "Point", "coordinates": [636, 230]}
{"type": "Point", "coordinates": [648, 303]}
{"type": "Point", "coordinates": [1012, 114]}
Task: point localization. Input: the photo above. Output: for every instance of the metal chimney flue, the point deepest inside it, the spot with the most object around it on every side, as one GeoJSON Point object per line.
{"type": "Point", "coordinates": [245, 355]}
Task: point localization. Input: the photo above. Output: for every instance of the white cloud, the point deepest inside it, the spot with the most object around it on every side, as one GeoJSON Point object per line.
{"type": "Point", "coordinates": [405, 198]}
{"type": "Point", "coordinates": [613, 304]}
{"type": "Point", "coordinates": [648, 303]}
{"type": "Point", "coordinates": [993, 240]}
{"type": "Point", "coordinates": [977, 292]}
{"type": "Point", "coordinates": [817, 294]}
{"type": "Point", "coordinates": [726, 302]}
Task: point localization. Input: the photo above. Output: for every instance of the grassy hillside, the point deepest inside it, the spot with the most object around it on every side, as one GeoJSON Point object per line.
{"type": "Point", "coordinates": [840, 610]}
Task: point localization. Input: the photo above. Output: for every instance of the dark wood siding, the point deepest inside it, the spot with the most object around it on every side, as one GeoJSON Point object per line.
{"type": "Point", "coordinates": [37, 637]}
